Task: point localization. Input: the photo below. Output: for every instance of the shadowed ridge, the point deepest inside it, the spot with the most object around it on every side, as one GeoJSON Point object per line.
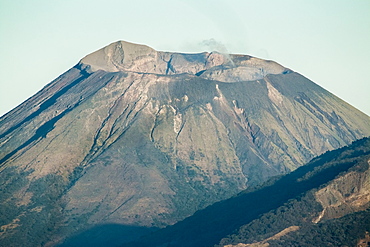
{"type": "Point", "coordinates": [206, 227]}
{"type": "Point", "coordinates": [105, 235]}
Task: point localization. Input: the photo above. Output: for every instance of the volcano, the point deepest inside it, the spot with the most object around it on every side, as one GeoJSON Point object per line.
{"type": "Point", "coordinates": [141, 138]}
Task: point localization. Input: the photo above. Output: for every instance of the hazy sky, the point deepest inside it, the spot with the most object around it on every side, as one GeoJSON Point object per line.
{"type": "Point", "coordinates": [327, 41]}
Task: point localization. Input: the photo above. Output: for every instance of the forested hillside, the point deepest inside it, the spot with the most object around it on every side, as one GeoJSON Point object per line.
{"type": "Point", "coordinates": [294, 203]}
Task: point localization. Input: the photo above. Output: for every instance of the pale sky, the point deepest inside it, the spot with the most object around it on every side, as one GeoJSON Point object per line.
{"type": "Point", "coordinates": [327, 41]}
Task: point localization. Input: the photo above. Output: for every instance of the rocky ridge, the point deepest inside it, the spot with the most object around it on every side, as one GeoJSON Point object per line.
{"type": "Point", "coordinates": [124, 56]}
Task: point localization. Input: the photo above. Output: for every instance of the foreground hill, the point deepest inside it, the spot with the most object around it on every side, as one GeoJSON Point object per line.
{"type": "Point", "coordinates": [325, 203]}
{"type": "Point", "coordinates": [140, 138]}
{"type": "Point", "coordinates": [336, 213]}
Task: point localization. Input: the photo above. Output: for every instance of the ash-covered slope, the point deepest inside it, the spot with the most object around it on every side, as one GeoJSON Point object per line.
{"type": "Point", "coordinates": [139, 137]}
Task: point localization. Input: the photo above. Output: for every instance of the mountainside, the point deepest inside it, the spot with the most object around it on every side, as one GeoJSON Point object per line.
{"type": "Point", "coordinates": [324, 203]}
{"type": "Point", "coordinates": [143, 138]}
{"type": "Point", "coordinates": [336, 213]}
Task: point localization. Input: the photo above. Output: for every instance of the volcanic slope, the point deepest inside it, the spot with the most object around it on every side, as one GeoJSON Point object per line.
{"type": "Point", "coordinates": [144, 138]}
{"type": "Point", "coordinates": [324, 203]}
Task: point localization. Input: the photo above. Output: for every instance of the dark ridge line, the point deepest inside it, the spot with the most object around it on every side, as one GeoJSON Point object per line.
{"type": "Point", "coordinates": [49, 102]}
{"type": "Point", "coordinates": [48, 126]}
{"type": "Point", "coordinates": [41, 133]}
{"type": "Point", "coordinates": [200, 72]}
{"type": "Point", "coordinates": [122, 204]}
{"type": "Point", "coordinates": [44, 129]}
{"type": "Point", "coordinates": [169, 66]}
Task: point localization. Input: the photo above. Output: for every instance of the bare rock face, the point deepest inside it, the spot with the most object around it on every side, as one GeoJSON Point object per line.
{"type": "Point", "coordinates": [124, 56]}
{"type": "Point", "coordinates": [139, 137]}
{"type": "Point", "coordinates": [346, 194]}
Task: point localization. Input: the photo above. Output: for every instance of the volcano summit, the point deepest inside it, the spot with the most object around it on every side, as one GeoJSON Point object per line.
{"type": "Point", "coordinates": [144, 138]}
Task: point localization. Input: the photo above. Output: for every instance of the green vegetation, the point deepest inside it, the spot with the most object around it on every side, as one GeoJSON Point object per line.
{"type": "Point", "coordinates": [345, 231]}
{"type": "Point", "coordinates": [302, 210]}
{"type": "Point", "coordinates": [32, 222]}
{"type": "Point", "coordinates": [292, 213]}
{"type": "Point", "coordinates": [10, 182]}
